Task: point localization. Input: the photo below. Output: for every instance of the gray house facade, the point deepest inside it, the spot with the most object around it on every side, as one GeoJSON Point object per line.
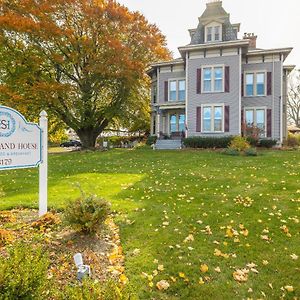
{"type": "Point", "coordinates": [221, 85]}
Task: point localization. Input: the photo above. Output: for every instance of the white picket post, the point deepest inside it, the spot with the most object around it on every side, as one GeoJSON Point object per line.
{"type": "Point", "coordinates": [43, 168]}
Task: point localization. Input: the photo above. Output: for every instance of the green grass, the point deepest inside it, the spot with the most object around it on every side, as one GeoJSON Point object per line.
{"type": "Point", "coordinates": [190, 190]}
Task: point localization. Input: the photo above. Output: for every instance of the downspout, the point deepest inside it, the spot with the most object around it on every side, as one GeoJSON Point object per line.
{"type": "Point", "coordinates": [186, 93]}
{"type": "Point", "coordinates": [273, 97]}
{"type": "Point", "coordinates": [281, 102]}
{"type": "Point", "coordinates": [158, 102]}
{"type": "Point", "coordinates": [240, 93]}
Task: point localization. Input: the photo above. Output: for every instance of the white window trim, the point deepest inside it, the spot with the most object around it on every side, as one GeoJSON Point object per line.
{"type": "Point", "coordinates": [177, 114]}
{"type": "Point", "coordinates": [177, 89]}
{"type": "Point", "coordinates": [254, 83]}
{"type": "Point", "coordinates": [213, 119]}
{"type": "Point", "coordinates": [255, 108]}
{"type": "Point", "coordinates": [212, 79]}
{"type": "Point", "coordinates": [213, 36]}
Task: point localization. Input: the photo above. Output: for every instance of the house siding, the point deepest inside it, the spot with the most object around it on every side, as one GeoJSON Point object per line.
{"type": "Point", "coordinates": [231, 99]}
{"type": "Point", "coordinates": [267, 101]}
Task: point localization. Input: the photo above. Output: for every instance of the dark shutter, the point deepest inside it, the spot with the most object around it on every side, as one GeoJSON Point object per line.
{"type": "Point", "coordinates": [198, 119]}
{"type": "Point", "coordinates": [227, 79]}
{"type": "Point", "coordinates": [269, 83]}
{"type": "Point", "coordinates": [198, 81]}
{"type": "Point", "coordinates": [166, 91]}
{"type": "Point", "coordinates": [242, 122]}
{"type": "Point", "coordinates": [269, 122]}
{"type": "Point", "coordinates": [242, 83]}
{"type": "Point", "coordinates": [227, 115]}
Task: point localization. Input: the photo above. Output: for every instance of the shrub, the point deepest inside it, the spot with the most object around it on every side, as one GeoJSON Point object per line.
{"type": "Point", "coordinates": [151, 140]}
{"type": "Point", "coordinates": [87, 213]}
{"type": "Point", "coordinates": [239, 144]}
{"type": "Point", "coordinates": [92, 290]}
{"type": "Point", "coordinates": [251, 152]}
{"type": "Point", "coordinates": [231, 152]}
{"type": "Point", "coordinates": [292, 140]}
{"type": "Point", "coordinates": [24, 273]}
{"type": "Point", "coordinates": [207, 142]}
{"type": "Point", "coordinates": [253, 141]}
{"type": "Point", "coordinates": [267, 143]}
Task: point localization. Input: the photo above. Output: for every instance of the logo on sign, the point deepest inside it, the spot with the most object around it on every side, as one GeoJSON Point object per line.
{"type": "Point", "coordinates": [7, 124]}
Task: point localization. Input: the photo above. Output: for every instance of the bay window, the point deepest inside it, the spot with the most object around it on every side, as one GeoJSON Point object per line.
{"type": "Point", "coordinates": [213, 118]}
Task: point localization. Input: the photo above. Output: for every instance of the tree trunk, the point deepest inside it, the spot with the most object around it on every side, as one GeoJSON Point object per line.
{"type": "Point", "coordinates": [88, 137]}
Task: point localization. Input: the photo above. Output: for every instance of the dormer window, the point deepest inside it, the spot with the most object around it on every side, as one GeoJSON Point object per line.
{"type": "Point", "coordinates": [213, 32]}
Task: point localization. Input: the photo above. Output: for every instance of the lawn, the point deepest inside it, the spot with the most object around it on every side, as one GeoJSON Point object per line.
{"type": "Point", "coordinates": [181, 210]}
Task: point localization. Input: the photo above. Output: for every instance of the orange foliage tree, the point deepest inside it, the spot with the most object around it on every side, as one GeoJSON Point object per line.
{"type": "Point", "coordinates": [82, 60]}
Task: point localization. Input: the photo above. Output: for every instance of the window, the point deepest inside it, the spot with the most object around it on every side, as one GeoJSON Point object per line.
{"type": "Point", "coordinates": [209, 34]}
{"type": "Point", "coordinates": [177, 90]}
{"type": "Point", "coordinates": [181, 90]}
{"type": "Point", "coordinates": [154, 125]}
{"type": "Point", "coordinates": [256, 117]}
{"type": "Point", "coordinates": [181, 122]}
{"type": "Point", "coordinates": [173, 123]}
{"type": "Point", "coordinates": [154, 93]}
{"type": "Point", "coordinates": [213, 118]}
{"type": "Point", "coordinates": [213, 32]}
{"type": "Point", "coordinates": [173, 90]}
{"type": "Point", "coordinates": [213, 79]}
{"type": "Point", "coordinates": [255, 84]}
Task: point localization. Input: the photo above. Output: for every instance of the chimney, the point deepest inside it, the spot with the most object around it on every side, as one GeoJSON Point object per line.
{"type": "Point", "coordinates": [252, 38]}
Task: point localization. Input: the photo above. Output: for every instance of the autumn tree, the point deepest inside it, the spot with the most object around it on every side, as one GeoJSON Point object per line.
{"type": "Point", "coordinates": [294, 98]}
{"type": "Point", "coordinates": [83, 60]}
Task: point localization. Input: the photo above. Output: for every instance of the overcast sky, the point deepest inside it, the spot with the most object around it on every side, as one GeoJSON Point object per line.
{"type": "Point", "coordinates": [276, 22]}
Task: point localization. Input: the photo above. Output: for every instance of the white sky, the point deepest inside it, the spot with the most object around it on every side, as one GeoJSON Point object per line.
{"type": "Point", "coordinates": [276, 22]}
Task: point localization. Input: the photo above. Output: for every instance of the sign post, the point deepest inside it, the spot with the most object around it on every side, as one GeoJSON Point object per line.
{"type": "Point", "coordinates": [43, 169]}
{"type": "Point", "coordinates": [25, 145]}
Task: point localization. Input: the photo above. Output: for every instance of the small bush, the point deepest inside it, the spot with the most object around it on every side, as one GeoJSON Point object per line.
{"type": "Point", "coordinates": [292, 140]}
{"type": "Point", "coordinates": [231, 152]}
{"type": "Point", "coordinates": [239, 144]}
{"type": "Point", "coordinates": [97, 291]}
{"type": "Point", "coordinates": [251, 152]}
{"type": "Point", "coordinates": [24, 273]}
{"type": "Point", "coordinates": [87, 213]}
{"type": "Point", "coordinates": [266, 143]}
{"type": "Point", "coordinates": [151, 140]}
{"type": "Point", "coordinates": [253, 141]}
{"type": "Point", "coordinates": [207, 142]}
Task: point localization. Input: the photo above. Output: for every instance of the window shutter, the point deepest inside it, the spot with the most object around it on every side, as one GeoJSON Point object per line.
{"type": "Point", "coordinates": [242, 83]}
{"type": "Point", "coordinates": [166, 91]}
{"type": "Point", "coordinates": [227, 79]}
{"type": "Point", "coordinates": [269, 122]}
{"type": "Point", "coordinates": [269, 83]}
{"type": "Point", "coordinates": [242, 122]}
{"type": "Point", "coordinates": [198, 81]}
{"type": "Point", "coordinates": [198, 119]}
{"type": "Point", "coordinates": [227, 118]}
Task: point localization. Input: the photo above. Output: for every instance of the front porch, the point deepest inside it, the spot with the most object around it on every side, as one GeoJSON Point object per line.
{"type": "Point", "coordinates": [170, 124]}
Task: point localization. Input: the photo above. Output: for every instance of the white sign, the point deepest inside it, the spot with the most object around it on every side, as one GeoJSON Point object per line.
{"type": "Point", "coordinates": [20, 141]}
{"type": "Point", "coordinates": [25, 145]}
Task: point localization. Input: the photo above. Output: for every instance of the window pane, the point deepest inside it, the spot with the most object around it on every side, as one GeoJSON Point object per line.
{"type": "Point", "coordinates": [249, 84]}
{"type": "Point", "coordinates": [217, 33]}
{"type": "Point", "coordinates": [181, 122]}
{"type": "Point", "coordinates": [209, 34]}
{"type": "Point", "coordinates": [249, 117]}
{"type": "Point", "coordinates": [207, 119]}
{"type": "Point", "coordinates": [260, 84]}
{"type": "Point", "coordinates": [173, 87]}
{"type": "Point", "coordinates": [218, 118]}
{"type": "Point", "coordinates": [181, 90]}
{"type": "Point", "coordinates": [218, 79]}
{"type": "Point", "coordinates": [260, 119]}
{"type": "Point", "coordinates": [173, 127]}
{"type": "Point", "coordinates": [207, 79]}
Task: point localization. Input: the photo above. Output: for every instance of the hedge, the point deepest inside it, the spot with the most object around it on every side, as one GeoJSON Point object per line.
{"type": "Point", "coordinates": [207, 142]}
